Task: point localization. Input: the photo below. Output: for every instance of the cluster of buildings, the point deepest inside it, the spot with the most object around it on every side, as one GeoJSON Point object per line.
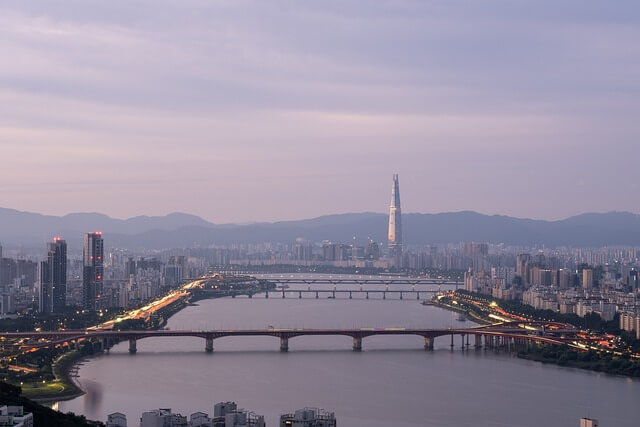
{"type": "Point", "coordinates": [95, 279]}
{"type": "Point", "coordinates": [565, 282]}
{"type": "Point", "coordinates": [225, 414]}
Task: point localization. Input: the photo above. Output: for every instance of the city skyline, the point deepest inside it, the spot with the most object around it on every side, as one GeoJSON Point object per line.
{"type": "Point", "coordinates": [496, 108]}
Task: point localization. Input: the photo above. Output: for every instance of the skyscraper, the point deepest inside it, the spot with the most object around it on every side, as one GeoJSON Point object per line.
{"type": "Point", "coordinates": [395, 224]}
{"type": "Point", "coordinates": [93, 257]}
{"type": "Point", "coordinates": [53, 278]}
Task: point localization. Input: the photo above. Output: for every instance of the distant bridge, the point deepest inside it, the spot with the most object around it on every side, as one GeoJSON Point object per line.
{"type": "Point", "coordinates": [507, 335]}
{"type": "Point", "coordinates": [372, 280]}
{"type": "Point", "coordinates": [363, 293]}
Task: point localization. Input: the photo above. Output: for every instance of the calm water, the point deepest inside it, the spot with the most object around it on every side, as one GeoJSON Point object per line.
{"type": "Point", "coordinates": [393, 382]}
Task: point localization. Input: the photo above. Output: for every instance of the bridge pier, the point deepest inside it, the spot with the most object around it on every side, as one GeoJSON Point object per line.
{"type": "Point", "coordinates": [208, 346]}
{"type": "Point", "coordinates": [401, 295]}
{"type": "Point", "coordinates": [467, 341]}
{"type": "Point", "coordinates": [418, 296]}
{"type": "Point", "coordinates": [284, 344]}
{"type": "Point", "coordinates": [105, 344]}
{"type": "Point", "coordinates": [462, 336]}
{"type": "Point", "coordinates": [367, 294]}
{"type": "Point", "coordinates": [334, 294]}
{"type": "Point", "coordinates": [452, 342]}
{"type": "Point", "coordinates": [357, 343]}
{"type": "Point", "coordinates": [250, 295]}
{"type": "Point", "coordinates": [316, 294]}
{"type": "Point", "coordinates": [300, 295]}
{"type": "Point", "coordinates": [350, 295]}
{"type": "Point", "coordinates": [384, 295]}
{"type": "Point", "coordinates": [428, 343]}
{"type": "Point", "coordinates": [478, 345]}
{"type": "Point", "coordinates": [283, 294]}
{"type": "Point", "coordinates": [132, 346]}
{"type": "Point", "coordinates": [266, 294]}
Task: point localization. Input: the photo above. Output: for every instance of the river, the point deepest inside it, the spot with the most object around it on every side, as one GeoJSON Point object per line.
{"type": "Point", "coordinates": [392, 382]}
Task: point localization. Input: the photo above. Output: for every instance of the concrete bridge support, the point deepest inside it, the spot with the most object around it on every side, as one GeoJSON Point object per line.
{"type": "Point", "coordinates": [367, 295]}
{"type": "Point", "coordinates": [350, 295]}
{"type": "Point", "coordinates": [451, 341]}
{"type": "Point", "coordinates": [418, 296]}
{"type": "Point", "coordinates": [478, 345]}
{"type": "Point", "coordinates": [208, 346]}
{"type": "Point", "coordinates": [133, 349]}
{"type": "Point", "coordinates": [284, 344]}
{"type": "Point", "coordinates": [266, 295]}
{"type": "Point", "coordinates": [299, 295]}
{"type": "Point", "coordinates": [400, 295]}
{"type": "Point", "coordinates": [316, 294]}
{"type": "Point", "coordinates": [462, 339]}
{"type": "Point", "coordinates": [357, 343]}
{"type": "Point", "coordinates": [428, 343]}
{"type": "Point", "coordinates": [283, 294]}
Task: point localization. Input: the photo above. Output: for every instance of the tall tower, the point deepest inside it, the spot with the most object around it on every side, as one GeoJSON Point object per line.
{"type": "Point", "coordinates": [395, 224]}
{"type": "Point", "coordinates": [93, 257]}
{"type": "Point", "coordinates": [53, 278]}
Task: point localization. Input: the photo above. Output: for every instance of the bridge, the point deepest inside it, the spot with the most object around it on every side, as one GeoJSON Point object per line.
{"type": "Point", "coordinates": [507, 335]}
{"type": "Point", "coordinates": [364, 293]}
{"type": "Point", "coordinates": [371, 280]}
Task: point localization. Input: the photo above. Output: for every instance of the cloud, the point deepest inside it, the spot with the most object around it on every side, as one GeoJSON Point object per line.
{"type": "Point", "coordinates": [278, 98]}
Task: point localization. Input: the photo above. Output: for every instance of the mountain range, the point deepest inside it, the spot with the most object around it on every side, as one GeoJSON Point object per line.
{"type": "Point", "coordinates": [32, 230]}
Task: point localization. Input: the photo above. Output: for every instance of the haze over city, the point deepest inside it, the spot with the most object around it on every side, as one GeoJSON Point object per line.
{"type": "Point", "coordinates": [365, 213]}
{"type": "Point", "coordinates": [244, 111]}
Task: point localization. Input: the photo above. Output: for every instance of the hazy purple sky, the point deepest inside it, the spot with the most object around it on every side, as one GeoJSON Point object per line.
{"type": "Point", "coordinates": [267, 110]}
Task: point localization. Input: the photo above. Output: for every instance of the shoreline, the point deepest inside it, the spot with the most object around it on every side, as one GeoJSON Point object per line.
{"type": "Point", "coordinates": [67, 361]}
{"type": "Point", "coordinates": [593, 366]}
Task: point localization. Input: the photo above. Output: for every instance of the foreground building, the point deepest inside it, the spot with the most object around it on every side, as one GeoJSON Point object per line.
{"type": "Point", "coordinates": [116, 419]}
{"type": "Point", "coordinates": [308, 417]}
{"type": "Point", "coordinates": [14, 416]}
{"type": "Point", "coordinates": [225, 414]}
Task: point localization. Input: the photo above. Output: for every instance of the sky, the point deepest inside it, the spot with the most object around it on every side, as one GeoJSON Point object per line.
{"type": "Point", "coordinates": [243, 111]}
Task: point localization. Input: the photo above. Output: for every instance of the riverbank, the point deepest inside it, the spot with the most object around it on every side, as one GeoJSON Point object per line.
{"type": "Point", "coordinates": [614, 363]}
{"type": "Point", "coordinates": [63, 388]}
{"type": "Point", "coordinates": [469, 314]}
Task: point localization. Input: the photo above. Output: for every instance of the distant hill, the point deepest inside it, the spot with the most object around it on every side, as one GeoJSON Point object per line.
{"type": "Point", "coordinates": [32, 230]}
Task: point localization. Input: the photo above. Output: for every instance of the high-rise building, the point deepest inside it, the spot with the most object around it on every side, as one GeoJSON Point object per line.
{"type": "Point", "coordinates": [53, 278]}
{"type": "Point", "coordinates": [92, 274]}
{"type": "Point", "coordinates": [395, 224]}
{"type": "Point", "coordinates": [587, 278]}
